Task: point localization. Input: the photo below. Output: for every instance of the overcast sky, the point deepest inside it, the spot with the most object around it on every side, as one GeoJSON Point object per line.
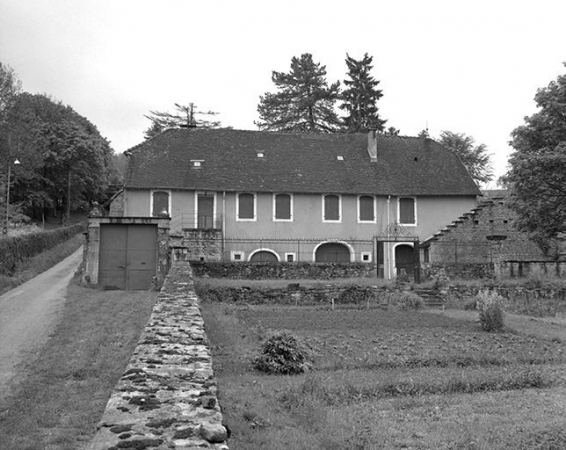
{"type": "Point", "coordinates": [465, 66]}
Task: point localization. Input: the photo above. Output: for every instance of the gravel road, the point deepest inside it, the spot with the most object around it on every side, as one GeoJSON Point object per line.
{"type": "Point", "coordinates": [28, 314]}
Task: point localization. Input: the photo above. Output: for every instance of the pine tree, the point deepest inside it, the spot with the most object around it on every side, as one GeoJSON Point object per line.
{"type": "Point", "coordinates": [361, 96]}
{"type": "Point", "coordinates": [183, 117]}
{"type": "Point", "coordinates": [304, 101]}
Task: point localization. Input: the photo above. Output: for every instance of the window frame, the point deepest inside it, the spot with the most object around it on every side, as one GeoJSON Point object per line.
{"type": "Point", "coordinates": [414, 224]}
{"type": "Point", "coordinates": [290, 219]}
{"type": "Point", "coordinates": [339, 220]}
{"type": "Point", "coordinates": [235, 253]}
{"type": "Point", "coordinates": [374, 220]}
{"type": "Point", "coordinates": [169, 202]}
{"type": "Point", "coordinates": [369, 257]}
{"type": "Point", "coordinates": [293, 256]}
{"type": "Point", "coordinates": [254, 218]}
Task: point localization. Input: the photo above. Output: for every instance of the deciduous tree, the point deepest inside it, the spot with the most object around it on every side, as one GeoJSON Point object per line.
{"type": "Point", "coordinates": [360, 97]}
{"type": "Point", "coordinates": [304, 102]}
{"type": "Point", "coordinates": [475, 157]}
{"type": "Point", "coordinates": [537, 168]}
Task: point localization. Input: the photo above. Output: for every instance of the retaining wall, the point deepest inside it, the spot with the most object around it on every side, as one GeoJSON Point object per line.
{"type": "Point", "coordinates": [167, 397]}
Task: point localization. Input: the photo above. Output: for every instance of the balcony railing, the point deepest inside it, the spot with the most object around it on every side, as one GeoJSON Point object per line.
{"type": "Point", "coordinates": [187, 221]}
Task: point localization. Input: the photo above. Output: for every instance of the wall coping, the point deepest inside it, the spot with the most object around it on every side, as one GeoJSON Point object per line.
{"type": "Point", "coordinates": [167, 397]}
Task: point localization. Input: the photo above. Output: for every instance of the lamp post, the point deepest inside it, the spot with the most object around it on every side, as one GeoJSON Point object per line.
{"type": "Point", "coordinates": [7, 219]}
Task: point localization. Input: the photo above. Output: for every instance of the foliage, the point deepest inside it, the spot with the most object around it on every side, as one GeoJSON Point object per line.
{"type": "Point", "coordinates": [407, 301]}
{"type": "Point", "coordinates": [184, 116]}
{"type": "Point", "coordinates": [283, 353]}
{"type": "Point", "coordinates": [537, 168]}
{"type": "Point", "coordinates": [13, 250]}
{"type": "Point", "coordinates": [474, 157]}
{"type": "Point", "coordinates": [60, 152]}
{"type": "Point", "coordinates": [10, 87]}
{"type": "Point", "coordinates": [360, 97]}
{"type": "Point", "coordinates": [488, 304]}
{"type": "Point", "coordinates": [304, 101]}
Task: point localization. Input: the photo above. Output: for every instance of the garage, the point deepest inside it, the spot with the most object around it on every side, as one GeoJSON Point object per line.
{"type": "Point", "coordinates": [128, 256]}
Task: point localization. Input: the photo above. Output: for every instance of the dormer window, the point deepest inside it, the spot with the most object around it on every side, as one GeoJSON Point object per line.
{"type": "Point", "coordinates": [260, 154]}
{"type": "Point", "coordinates": [340, 158]}
{"type": "Point", "coordinates": [196, 163]}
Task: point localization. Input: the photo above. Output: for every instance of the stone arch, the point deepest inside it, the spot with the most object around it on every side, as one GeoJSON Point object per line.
{"type": "Point", "coordinates": [333, 251]}
{"type": "Point", "coordinates": [264, 255]}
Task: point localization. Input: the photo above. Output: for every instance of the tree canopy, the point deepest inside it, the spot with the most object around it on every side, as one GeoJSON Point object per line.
{"type": "Point", "coordinates": [537, 168]}
{"type": "Point", "coordinates": [360, 97]}
{"type": "Point", "coordinates": [304, 102]}
{"type": "Point", "coordinates": [184, 116]}
{"type": "Point", "coordinates": [475, 158]}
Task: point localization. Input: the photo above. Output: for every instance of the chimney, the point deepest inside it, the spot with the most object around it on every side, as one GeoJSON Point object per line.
{"type": "Point", "coordinates": [372, 145]}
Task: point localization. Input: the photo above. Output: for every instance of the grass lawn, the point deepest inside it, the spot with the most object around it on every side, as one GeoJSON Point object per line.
{"type": "Point", "coordinates": [389, 380]}
{"type": "Point", "coordinates": [64, 388]}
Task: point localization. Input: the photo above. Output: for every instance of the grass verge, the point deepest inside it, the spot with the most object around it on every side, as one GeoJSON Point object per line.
{"type": "Point", "coordinates": [40, 263]}
{"type": "Point", "coordinates": [64, 388]}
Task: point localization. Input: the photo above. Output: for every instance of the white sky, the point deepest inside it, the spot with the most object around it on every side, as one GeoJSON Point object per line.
{"type": "Point", "coordinates": [464, 66]}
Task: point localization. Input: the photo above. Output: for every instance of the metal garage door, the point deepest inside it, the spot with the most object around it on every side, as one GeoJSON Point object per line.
{"type": "Point", "coordinates": [128, 256]}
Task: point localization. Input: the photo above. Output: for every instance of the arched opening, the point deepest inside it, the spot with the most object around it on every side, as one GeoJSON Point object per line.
{"type": "Point", "coordinates": [405, 260]}
{"type": "Point", "coordinates": [264, 256]}
{"type": "Point", "coordinates": [332, 252]}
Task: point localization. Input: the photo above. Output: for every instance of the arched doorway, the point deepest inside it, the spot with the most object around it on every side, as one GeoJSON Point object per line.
{"type": "Point", "coordinates": [405, 259]}
{"type": "Point", "coordinates": [263, 256]}
{"type": "Point", "coordinates": [332, 252]}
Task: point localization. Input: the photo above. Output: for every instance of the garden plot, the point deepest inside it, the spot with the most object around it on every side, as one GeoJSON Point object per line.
{"type": "Point", "coordinates": [387, 379]}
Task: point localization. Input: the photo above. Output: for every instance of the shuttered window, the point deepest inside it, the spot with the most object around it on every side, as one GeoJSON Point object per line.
{"type": "Point", "coordinates": [331, 208]}
{"type": "Point", "coordinates": [282, 207]}
{"type": "Point", "coordinates": [367, 211]}
{"type": "Point", "coordinates": [407, 211]}
{"type": "Point", "coordinates": [246, 207]}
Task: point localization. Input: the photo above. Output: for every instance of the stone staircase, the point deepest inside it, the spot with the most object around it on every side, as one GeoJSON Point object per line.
{"type": "Point", "coordinates": [431, 298]}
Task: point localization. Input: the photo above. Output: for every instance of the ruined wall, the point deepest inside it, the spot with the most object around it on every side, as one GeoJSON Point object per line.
{"type": "Point", "coordinates": [167, 397]}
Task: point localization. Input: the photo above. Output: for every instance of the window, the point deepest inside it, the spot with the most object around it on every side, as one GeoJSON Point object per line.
{"type": "Point", "coordinates": [237, 256]}
{"type": "Point", "coordinates": [245, 207]}
{"type": "Point", "coordinates": [196, 163]}
{"type": "Point", "coordinates": [366, 208]}
{"type": "Point", "coordinates": [407, 211]}
{"type": "Point", "coordinates": [366, 257]}
{"type": "Point", "coordinates": [290, 257]}
{"type": "Point", "coordinates": [160, 203]}
{"type": "Point", "coordinates": [331, 208]}
{"type": "Point", "coordinates": [282, 205]}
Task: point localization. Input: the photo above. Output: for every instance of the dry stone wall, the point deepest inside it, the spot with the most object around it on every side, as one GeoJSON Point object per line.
{"type": "Point", "coordinates": [167, 397]}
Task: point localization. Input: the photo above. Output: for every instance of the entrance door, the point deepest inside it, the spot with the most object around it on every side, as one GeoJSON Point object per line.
{"type": "Point", "coordinates": [205, 212]}
{"type": "Point", "coordinates": [405, 260]}
{"type": "Point", "coordinates": [128, 256]}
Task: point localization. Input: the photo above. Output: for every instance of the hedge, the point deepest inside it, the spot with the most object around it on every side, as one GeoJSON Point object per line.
{"type": "Point", "coordinates": [13, 250]}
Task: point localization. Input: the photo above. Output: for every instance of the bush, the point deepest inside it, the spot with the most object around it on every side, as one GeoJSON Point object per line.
{"type": "Point", "coordinates": [283, 353]}
{"type": "Point", "coordinates": [406, 301]}
{"type": "Point", "coordinates": [488, 304]}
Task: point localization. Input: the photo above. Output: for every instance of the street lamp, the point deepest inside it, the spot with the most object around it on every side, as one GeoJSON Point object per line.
{"type": "Point", "coordinates": [8, 175]}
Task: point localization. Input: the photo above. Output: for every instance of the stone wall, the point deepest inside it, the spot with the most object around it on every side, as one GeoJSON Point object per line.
{"type": "Point", "coordinates": [167, 397]}
{"type": "Point", "coordinates": [197, 245]}
{"type": "Point", "coordinates": [287, 271]}
{"type": "Point", "coordinates": [521, 269]}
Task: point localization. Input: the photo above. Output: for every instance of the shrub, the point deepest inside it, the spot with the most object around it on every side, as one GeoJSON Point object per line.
{"type": "Point", "coordinates": [283, 353]}
{"type": "Point", "coordinates": [488, 304]}
{"type": "Point", "coordinates": [406, 301]}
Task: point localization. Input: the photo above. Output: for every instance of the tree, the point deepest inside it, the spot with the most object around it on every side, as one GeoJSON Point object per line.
{"type": "Point", "coordinates": [10, 86]}
{"type": "Point", "coordinates": [304, 101]}
{"type": "Point", "coordinates": [537, 168]}
{"type": "Point", "coordinates": [183, 117]}
{"type": "Point", "coordinates": [361, 96]}
{"type": "Point", "coordinates": [474, 157]}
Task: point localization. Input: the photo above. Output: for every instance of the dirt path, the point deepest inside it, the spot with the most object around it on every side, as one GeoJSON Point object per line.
{"type": "Point", "coordinates": [29, 313]}
{"type": "Point", "coordinates": [544, 327]}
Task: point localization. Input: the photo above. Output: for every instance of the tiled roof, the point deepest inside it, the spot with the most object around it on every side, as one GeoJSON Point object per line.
{"type": "Point", "coordinates": [296, 163]}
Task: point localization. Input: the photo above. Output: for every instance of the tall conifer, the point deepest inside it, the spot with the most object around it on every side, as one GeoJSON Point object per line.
{"type": "Point", "coordinates": [361, 96]}
{"type": "Point", "coordinates": [304, 101]}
